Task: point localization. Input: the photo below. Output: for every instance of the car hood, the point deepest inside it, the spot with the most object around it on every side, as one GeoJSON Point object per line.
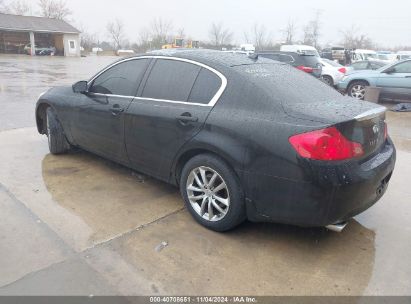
{"type": "Point", "coordinates": [329, 112]}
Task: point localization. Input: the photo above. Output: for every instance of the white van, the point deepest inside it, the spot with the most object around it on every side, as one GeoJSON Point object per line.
{"type": "Point", "coordinates": [246, 47]}
{"type": "Point", "coordinates": [300, 48]}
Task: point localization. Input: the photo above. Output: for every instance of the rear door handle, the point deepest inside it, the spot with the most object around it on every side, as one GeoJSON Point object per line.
{"type": "Point", "coordinates": [186, 117]}
{"type": "Point", "coordinates": [408, 76]}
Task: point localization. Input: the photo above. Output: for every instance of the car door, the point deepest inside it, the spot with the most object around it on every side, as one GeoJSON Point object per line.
{"type": "Point", "coordinates": [171, 109]}
{"type": "Point", "coordinates": [98, 121]}
{"type": "Point", "coordinates": [395, 81]}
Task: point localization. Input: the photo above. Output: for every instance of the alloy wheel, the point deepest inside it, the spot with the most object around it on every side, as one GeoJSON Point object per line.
{"type": "Point", "coordinates": [358, 91]}
{"type": "Point", "coordinates": [208, 193]}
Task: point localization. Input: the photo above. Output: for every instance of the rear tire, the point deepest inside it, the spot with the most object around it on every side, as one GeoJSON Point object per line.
{"type": "Point", "coordinates": [216, 202]}
{"type": "Point", "coordinates": [58, 143]}
{"type": "Point", "coordinates": [357, 89]}
{"type": "Point", "coordinates": [328, 80]}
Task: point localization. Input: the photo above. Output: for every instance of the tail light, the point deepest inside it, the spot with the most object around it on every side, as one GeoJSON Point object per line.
{"type": "Point", "coordinates": [305, 69]}
{"type": "Point", "coordinates": [342, 70]}
{"type": "Point", "coordinates": [325, 144]}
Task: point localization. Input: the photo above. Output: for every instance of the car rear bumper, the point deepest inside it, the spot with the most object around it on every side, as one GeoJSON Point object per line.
{"type": "Point", "coordinates": [336, 192]}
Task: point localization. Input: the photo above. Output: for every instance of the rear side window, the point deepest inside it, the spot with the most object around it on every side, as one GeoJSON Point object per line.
{"type": "Point", "coordinates": [122, 79]}
{"type": "Point", "coordinates": [271, 56]}
{"type": "Point", "coordinates": [171, 80]}
{"type": "Point", "coordinates": [205, 87]}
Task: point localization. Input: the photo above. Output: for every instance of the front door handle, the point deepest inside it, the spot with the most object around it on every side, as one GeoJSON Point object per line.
{"type": "Point", "coordinates": [116, 109]}
{"type": "Point", "coordinates": [408, 76]}
{"type": "Point", "coordinates": [186, 118]}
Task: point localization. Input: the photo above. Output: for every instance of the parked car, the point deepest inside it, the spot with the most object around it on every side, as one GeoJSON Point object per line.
{"type": "Point", "coordinates": [332, 72]}
{"type": "Point", "coordinates": [402, 55]}
{"type": "Point", "coordinates": [334, 53]}
{"type": "Point", "coordinates": [394, 81]}
{"type": "Point", "coordinates": [242, 137]}
{"type": "Point", "coordinates": [386, 57]}
{"type": "Point", "coordinates": [360, 54]}
{"type": "Point", "coordinates": [40, 51]}
{"type": "Point", "coordinates": [365, 65]}
{"type": "Point", "coordinates": [308, 63]}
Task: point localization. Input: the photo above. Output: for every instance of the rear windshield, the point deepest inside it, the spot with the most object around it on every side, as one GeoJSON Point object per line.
{"type": "Point", "coordinates": [310, 52]}
{"type": "Point", "coordinates": [286, 84]}
{"type": "Point", "coordinates": [310, 60]}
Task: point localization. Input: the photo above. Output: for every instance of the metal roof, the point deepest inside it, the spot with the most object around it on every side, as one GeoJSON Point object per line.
{"type": "Point", "coordinates": [35, 24]}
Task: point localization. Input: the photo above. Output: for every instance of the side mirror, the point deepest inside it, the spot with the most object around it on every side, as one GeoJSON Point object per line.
{"type": "Point", "coordinates": [389, 70]}
{"type": "Point", "coordinates": [80, 87]}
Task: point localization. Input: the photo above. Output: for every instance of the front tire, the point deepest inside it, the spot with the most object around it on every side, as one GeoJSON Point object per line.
{"type": "Point", "coordinates": [58, 143]}
{"type": "Point", "coordinates": [357, 89]}
{"type": "Point", "coordinates": [212, 193]}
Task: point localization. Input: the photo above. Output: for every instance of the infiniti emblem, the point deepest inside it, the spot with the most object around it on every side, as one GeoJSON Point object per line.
{"type": "Point", "coordinates": [375, 128]}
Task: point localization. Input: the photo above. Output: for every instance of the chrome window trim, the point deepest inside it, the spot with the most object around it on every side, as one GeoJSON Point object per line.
{"type": "Point", "coordinates": [211, 103]}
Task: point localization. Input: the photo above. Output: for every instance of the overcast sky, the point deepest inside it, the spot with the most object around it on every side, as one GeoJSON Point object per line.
{"type": "Point", "coordinates": [386, 22]}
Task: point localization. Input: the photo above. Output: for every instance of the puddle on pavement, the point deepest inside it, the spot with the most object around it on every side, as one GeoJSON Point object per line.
{"type": "Point", "coordinates": [262, 259]}
{"type": "Point", "coordinates": [108, 197]}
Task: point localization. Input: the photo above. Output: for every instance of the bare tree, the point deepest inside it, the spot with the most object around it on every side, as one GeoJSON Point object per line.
{"type": "Point", "coordinates": [181, 33]}
{"type": "Point", "coordinates": [160, 30]}
{"type": "Point", "coordinates": [16, 7]}
{"type": "Point", "coordinates": [219, 35]}
{"type": "Point", "coordinates": [312, 30]}
{"type": "Point", "coordinates": [115, 30]}
{"type": "Point", "coordinates": [289, 31]}
{"type": "Point", "coordinates": [354, 39]}
{"type": "Point", "coordinates": [258, 36]}
{"type": "Point", "coordinates": [87, 40]}
{"type": "Point", "coordinates": [56, 9]}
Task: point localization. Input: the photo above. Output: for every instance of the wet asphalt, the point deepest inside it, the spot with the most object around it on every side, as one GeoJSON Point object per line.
{"type": "Point", "coordinates": [77, 224]}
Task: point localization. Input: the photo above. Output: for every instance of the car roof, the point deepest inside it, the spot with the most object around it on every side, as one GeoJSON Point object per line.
{"type": "Point", "coordinates": [210, 57]}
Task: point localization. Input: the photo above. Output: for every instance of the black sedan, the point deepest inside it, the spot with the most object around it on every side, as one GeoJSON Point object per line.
{"type": "Point", "coordinates": [242, 137]}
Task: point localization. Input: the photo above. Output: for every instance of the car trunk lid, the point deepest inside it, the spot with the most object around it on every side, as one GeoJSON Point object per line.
{"type": "Point", "coordinates": [359, 122]}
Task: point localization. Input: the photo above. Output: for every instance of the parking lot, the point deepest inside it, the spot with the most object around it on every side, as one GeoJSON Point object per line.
{"type": "Point", "coordinates": [77, 224]}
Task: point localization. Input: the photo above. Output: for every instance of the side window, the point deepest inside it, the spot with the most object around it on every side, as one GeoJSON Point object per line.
{"type": "Point", "coordinates": [404, 67]}
{"type": "Point", "coordinates": [286, 58]}
{"type": "Point", "coordinates": [122, 79]}
{"type": "Point", "coordinates": [360, 65]}
{"type": "Point", "coordinates": [271, 56]}
{"type": "Point", "coordinates": [171, 80]}
{"type": "Point", "coordinates": [374, 66]}
{"type": "Point", "coordinates": [205, 87]}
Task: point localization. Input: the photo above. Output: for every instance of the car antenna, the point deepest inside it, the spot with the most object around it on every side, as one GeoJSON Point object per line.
{"type": "Point", "coordinates": [253, 56]}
